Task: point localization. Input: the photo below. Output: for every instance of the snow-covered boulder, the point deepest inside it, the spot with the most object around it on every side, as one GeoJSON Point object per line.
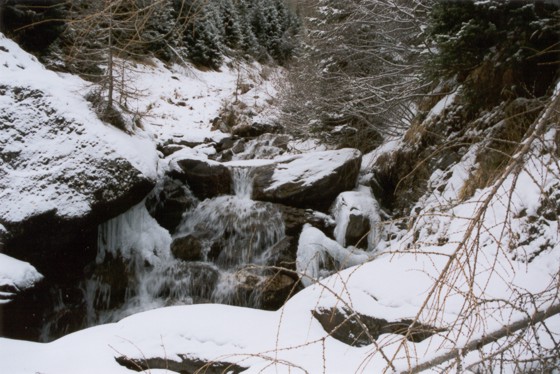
{"type": "Point", "coordinates": [311, 180]}
{"type": "Point", "coordinates": [206, 178]}
{"type": "Point", "coordinates": [15, 276]}
{"type": "Point", "coordinates": [318, 256]}
{"type": "Point", "coordinates": [59, 161]}
{"type": "Point", "coordinates": [357, 218]}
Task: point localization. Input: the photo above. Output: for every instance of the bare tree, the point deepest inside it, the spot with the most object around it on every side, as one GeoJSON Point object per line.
{"type": "Point", "coordinates": [361, 66]}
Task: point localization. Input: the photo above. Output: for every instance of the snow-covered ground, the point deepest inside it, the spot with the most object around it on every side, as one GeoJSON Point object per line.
{"type": "Point", "coordinates": [452, 270]}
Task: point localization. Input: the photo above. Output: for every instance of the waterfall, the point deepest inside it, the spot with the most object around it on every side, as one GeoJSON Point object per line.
{"type": "Point", "coordinates": [135, 269]}
{"type": "Point", "coordinates": [242, 182]}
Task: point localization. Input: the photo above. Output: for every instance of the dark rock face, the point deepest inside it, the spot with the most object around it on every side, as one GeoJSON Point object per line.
{"type": "Point", "coordinates": [168, 206]}
{"type": "Point", "coordinates": [358, 330]}
{"type": "Point", "coordinates": [206, 178]}
{"type": "Point", "coordinates": [357, 230]}
{"type": "Point", "coordinates": [187, 248]}
{"type": "Point", "coordinates": [292, 183]}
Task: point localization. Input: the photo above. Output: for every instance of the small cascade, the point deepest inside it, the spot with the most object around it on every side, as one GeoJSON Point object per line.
{"type": "Point", "coordinates": [135, 270]}
{"type": "Point", "coordinates": [242, 182]}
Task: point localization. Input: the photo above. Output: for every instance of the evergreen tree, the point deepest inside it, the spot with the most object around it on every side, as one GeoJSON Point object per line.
{"type": "Point", "coordinates": [203, 39]}
{"type": "Point", "coordinates": [232, 32]}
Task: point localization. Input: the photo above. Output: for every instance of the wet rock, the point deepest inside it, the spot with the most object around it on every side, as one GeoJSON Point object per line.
{"type": "Point", "coordinates": [284, 254]}
{"type": "Point", "coordinates": [276, 290]}
{"type": "Point", "coordinates": [169, 204]}
{"type": "Point", "coordinates": [187, 248]}
{"type": "Point", "coordinates": [270, 291]}
{"type": "Point", "coordinates": [308, 181]}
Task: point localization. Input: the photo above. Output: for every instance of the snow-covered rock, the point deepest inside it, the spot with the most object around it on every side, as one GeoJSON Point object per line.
{"type": "Point", "coordinates": [357, 218]}
{"type": "Point", "coordinates": [15, 276]}
{"type": "Point", "coordinates": [58, 159]}
{"type": "Point", "coordinates": [311, 180]}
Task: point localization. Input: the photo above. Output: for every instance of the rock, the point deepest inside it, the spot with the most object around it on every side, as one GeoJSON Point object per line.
{"type": "Point", "coordinates": [169, 149]}
{"type": "Point", "coordinates": [276, 290]}
{"type": "Point", "coordinates": [283, 255]}
{"type": "Point", "coordinates": [225, 143]}
{"type": "Point", "coordinates": [62, 173]}
{"type": "Point", "coordinates": [187, 248]}
{"type": "Point", "coordinates": [358, 330]}
{"type": "Point", "coordinates": [310, 181]}
{"type": "Point", "coordinates": [357, 216]}
{"type": "Point", "coordinates": [271, 291]}
{"type": "Point", "coordinates": [254, 130]}
{"type": "Point", "coordinates": [294, 219]}
{"type": "Point", "coordinates": [206, 178]}
{"type": "Point", "coordinates": [184, 364]}
{"type": "Point", "coordinates": [169, 203]}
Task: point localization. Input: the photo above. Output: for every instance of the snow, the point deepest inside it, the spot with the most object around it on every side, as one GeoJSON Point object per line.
{"type": "Point", "coordinates": [441, 105]}
{"type": "Point", "coordinates": [310, 167]}
{"type": "Point", "coordinates": [34, 95]}
{"type": "Point", "coordinates": [16, 274]}
{"type": "Point", "coordinates": [314, 250]}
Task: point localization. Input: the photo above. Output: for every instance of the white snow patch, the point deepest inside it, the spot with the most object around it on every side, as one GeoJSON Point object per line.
{"type": "Point", "coordinates": [308, 168]}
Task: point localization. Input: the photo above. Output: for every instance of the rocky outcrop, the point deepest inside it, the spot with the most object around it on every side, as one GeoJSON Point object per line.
{"type": "Point", "coordinates": [312, 180]}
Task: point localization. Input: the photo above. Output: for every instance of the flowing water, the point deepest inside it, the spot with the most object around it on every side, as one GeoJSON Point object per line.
{"type": "Point", "coordinates": [136, 271]}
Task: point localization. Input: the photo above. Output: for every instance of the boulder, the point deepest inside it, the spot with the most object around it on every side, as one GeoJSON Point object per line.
{"type": "Point", "coordinates": [294, 219]}
{"type": "Point", "coordinates": [270, 291]}
{"type": "Point", "coordinates": [180, 364]}
{"type": "Point", "coordinates": [312, 180]}
{"type": "Point", "coordinates": [206, 178]}
{"type": "Point", "coordinates": [187, 248]}
{"type": "Point", "coordinates": [168, 203]}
